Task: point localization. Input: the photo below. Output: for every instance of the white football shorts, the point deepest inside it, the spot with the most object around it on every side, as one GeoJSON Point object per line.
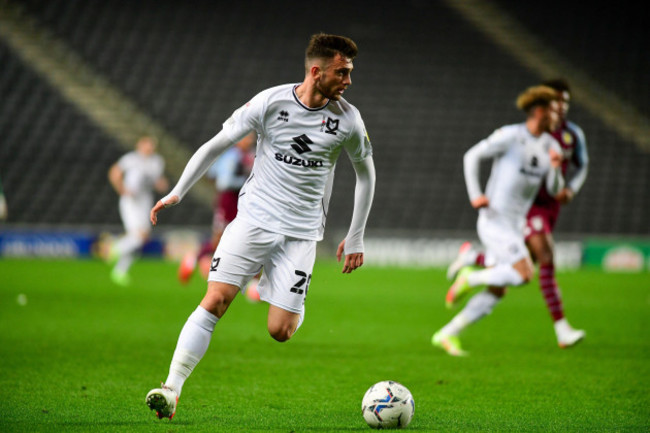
{"type": "Point", "coordinates": [288, 263]}
{"type": "Point", "coordinates": [502, 237]}
{"type": "Point", "coordinates": [135, 213]}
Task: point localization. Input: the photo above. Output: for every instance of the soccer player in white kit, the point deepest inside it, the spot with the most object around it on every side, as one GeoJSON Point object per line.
{"type": "Point", "coordinates": [301, 131]}
{"type": "Point", "coordinates": [134, 177]}
{"type": "Point", "coordinates": [524, 155]}
{"type": "Point", "coordinates": [543, 216]}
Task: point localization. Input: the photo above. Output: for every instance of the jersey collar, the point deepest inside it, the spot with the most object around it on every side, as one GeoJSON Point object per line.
{"type": "Point", "coordinates": [293, 91]}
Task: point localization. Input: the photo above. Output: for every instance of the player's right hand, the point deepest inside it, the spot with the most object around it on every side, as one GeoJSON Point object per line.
{"type": "Point", "coordinates": [479, 202]}
{"type": "Point", "coordinates": [171, 201]}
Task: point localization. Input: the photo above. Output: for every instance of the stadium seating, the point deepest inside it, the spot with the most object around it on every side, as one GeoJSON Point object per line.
{"type": "Point", "coordinates": [427, 84]}
{"type": "Point", "coordinates": [53, 160]}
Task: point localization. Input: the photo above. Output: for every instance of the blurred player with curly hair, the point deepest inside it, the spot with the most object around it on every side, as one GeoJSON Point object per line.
{"type": "Point", "coordinates": [524, 156]}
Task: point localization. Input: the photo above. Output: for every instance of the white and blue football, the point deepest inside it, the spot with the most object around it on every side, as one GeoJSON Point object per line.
{"type": "Point", "coordinates": [388, 405]}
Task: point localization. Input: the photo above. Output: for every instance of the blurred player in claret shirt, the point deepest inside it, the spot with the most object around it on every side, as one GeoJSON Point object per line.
{"type": "Point", "coordinates": [545, 210]}
{"type": "Point", "coordinates": [524, 156]}
{"type": "Point", "coordinates": [543, 215]}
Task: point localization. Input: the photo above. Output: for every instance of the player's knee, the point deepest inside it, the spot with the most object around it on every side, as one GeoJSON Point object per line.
{"type": "Point", "coordinates": [282, 324]}
{"type": "Point", "coordinates": [216, 303]}
{"type": "Point", "coordinates": [281, 332]}
{"type": "Point", "coordinates": [545, 257]}
{"type": "Point", "coordinates": [525, 270]}
{"type": "Point", "coordinates": [217, 299]}
{"type": "Point", "coordinates": [499, 292]}
{"type": "Point", "coordinates": [541, 248]}
{"type": "Point", "coordinates": [143, 235]}
{"type": "Point", "coordinates": [526, 275]}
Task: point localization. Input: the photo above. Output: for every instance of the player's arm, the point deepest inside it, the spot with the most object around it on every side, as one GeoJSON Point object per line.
{"type": "Point", "coordinates": [194, 170]}
{"type": "Point", "coordinates": [495, 145]}
{"type": "Point", "coordinates": [554, 178]}
{"type": "Point", "coordinates": [352, 246]}
{"type": "Point", "coordinates": [116, 177]}
{"type": "Point", "coordinates": [471, 169]}
{"type": "Point", "coordinates": [581, 162]}
{"type": "Point", "coordinates": [242, 122]}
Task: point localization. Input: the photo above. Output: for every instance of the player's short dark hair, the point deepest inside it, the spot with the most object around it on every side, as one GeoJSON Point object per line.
{"type": "Point", "coordinates": [559, 84]}
{"type": "Point", "coordinates": [324, 46]}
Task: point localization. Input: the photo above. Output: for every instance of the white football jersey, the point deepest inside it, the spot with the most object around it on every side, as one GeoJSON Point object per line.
{"type": "Point", "coordinates": [289, 188]}
{"type": "Point", "coordinates": [141, 173]}
{"type": "Point", "coordinates": [521, 162]}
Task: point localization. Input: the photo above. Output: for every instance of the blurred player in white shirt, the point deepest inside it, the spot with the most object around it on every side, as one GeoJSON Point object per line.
{"type": "Point", "coordinates": [134, 177]}
{"type": "Point", "coordinates": [543, 216]}
{"type": "Point", "coordinates": [524, 156]}
{"type": "Point", "coordinates": [302, 129]}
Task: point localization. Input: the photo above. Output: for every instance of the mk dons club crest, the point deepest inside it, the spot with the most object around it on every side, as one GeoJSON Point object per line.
{"type": "Point", "coordinates": [330, 126]}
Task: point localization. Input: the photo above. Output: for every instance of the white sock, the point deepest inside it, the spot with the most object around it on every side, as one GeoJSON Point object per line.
{"type": "Point", "coordinates": [126, 248]}
{"type": "Point", "coordinates": [192, 344]}
{"type": "Point", "coordinates": [498, 276]}
{"type": "Point", "coordinates": [479, 306]}
{"type": "Point", "coordinates": [561, 326]}
{"type": "Point", "coordinates": [124, 263]}
{"type": "Point", "coordinates": [128, 244]}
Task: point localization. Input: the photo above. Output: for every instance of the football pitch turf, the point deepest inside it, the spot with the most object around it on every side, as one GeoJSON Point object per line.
{"type": "Point", "coordinates": [79, 354]}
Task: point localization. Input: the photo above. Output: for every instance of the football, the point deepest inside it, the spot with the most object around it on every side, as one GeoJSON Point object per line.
{"type": "Point", "coordinates": [388, 405]}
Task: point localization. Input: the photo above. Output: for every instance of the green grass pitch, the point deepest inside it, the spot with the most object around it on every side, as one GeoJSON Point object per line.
{"type": "Point", "coordinates": [81, 354]}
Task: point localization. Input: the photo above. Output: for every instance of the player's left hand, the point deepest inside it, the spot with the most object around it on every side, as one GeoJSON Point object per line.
{"type": "Point", "coordinates": [352, 261]}
{"type": "Point", "coordinates": [565, 195]}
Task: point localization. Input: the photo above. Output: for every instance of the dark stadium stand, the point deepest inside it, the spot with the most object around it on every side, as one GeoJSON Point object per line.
{"type": "Point", "coordinates": [53, 160]}
{"type": "Point", "coordinates": [427, 84]}
{"type": "Point", "coordinates": [603, 39]}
